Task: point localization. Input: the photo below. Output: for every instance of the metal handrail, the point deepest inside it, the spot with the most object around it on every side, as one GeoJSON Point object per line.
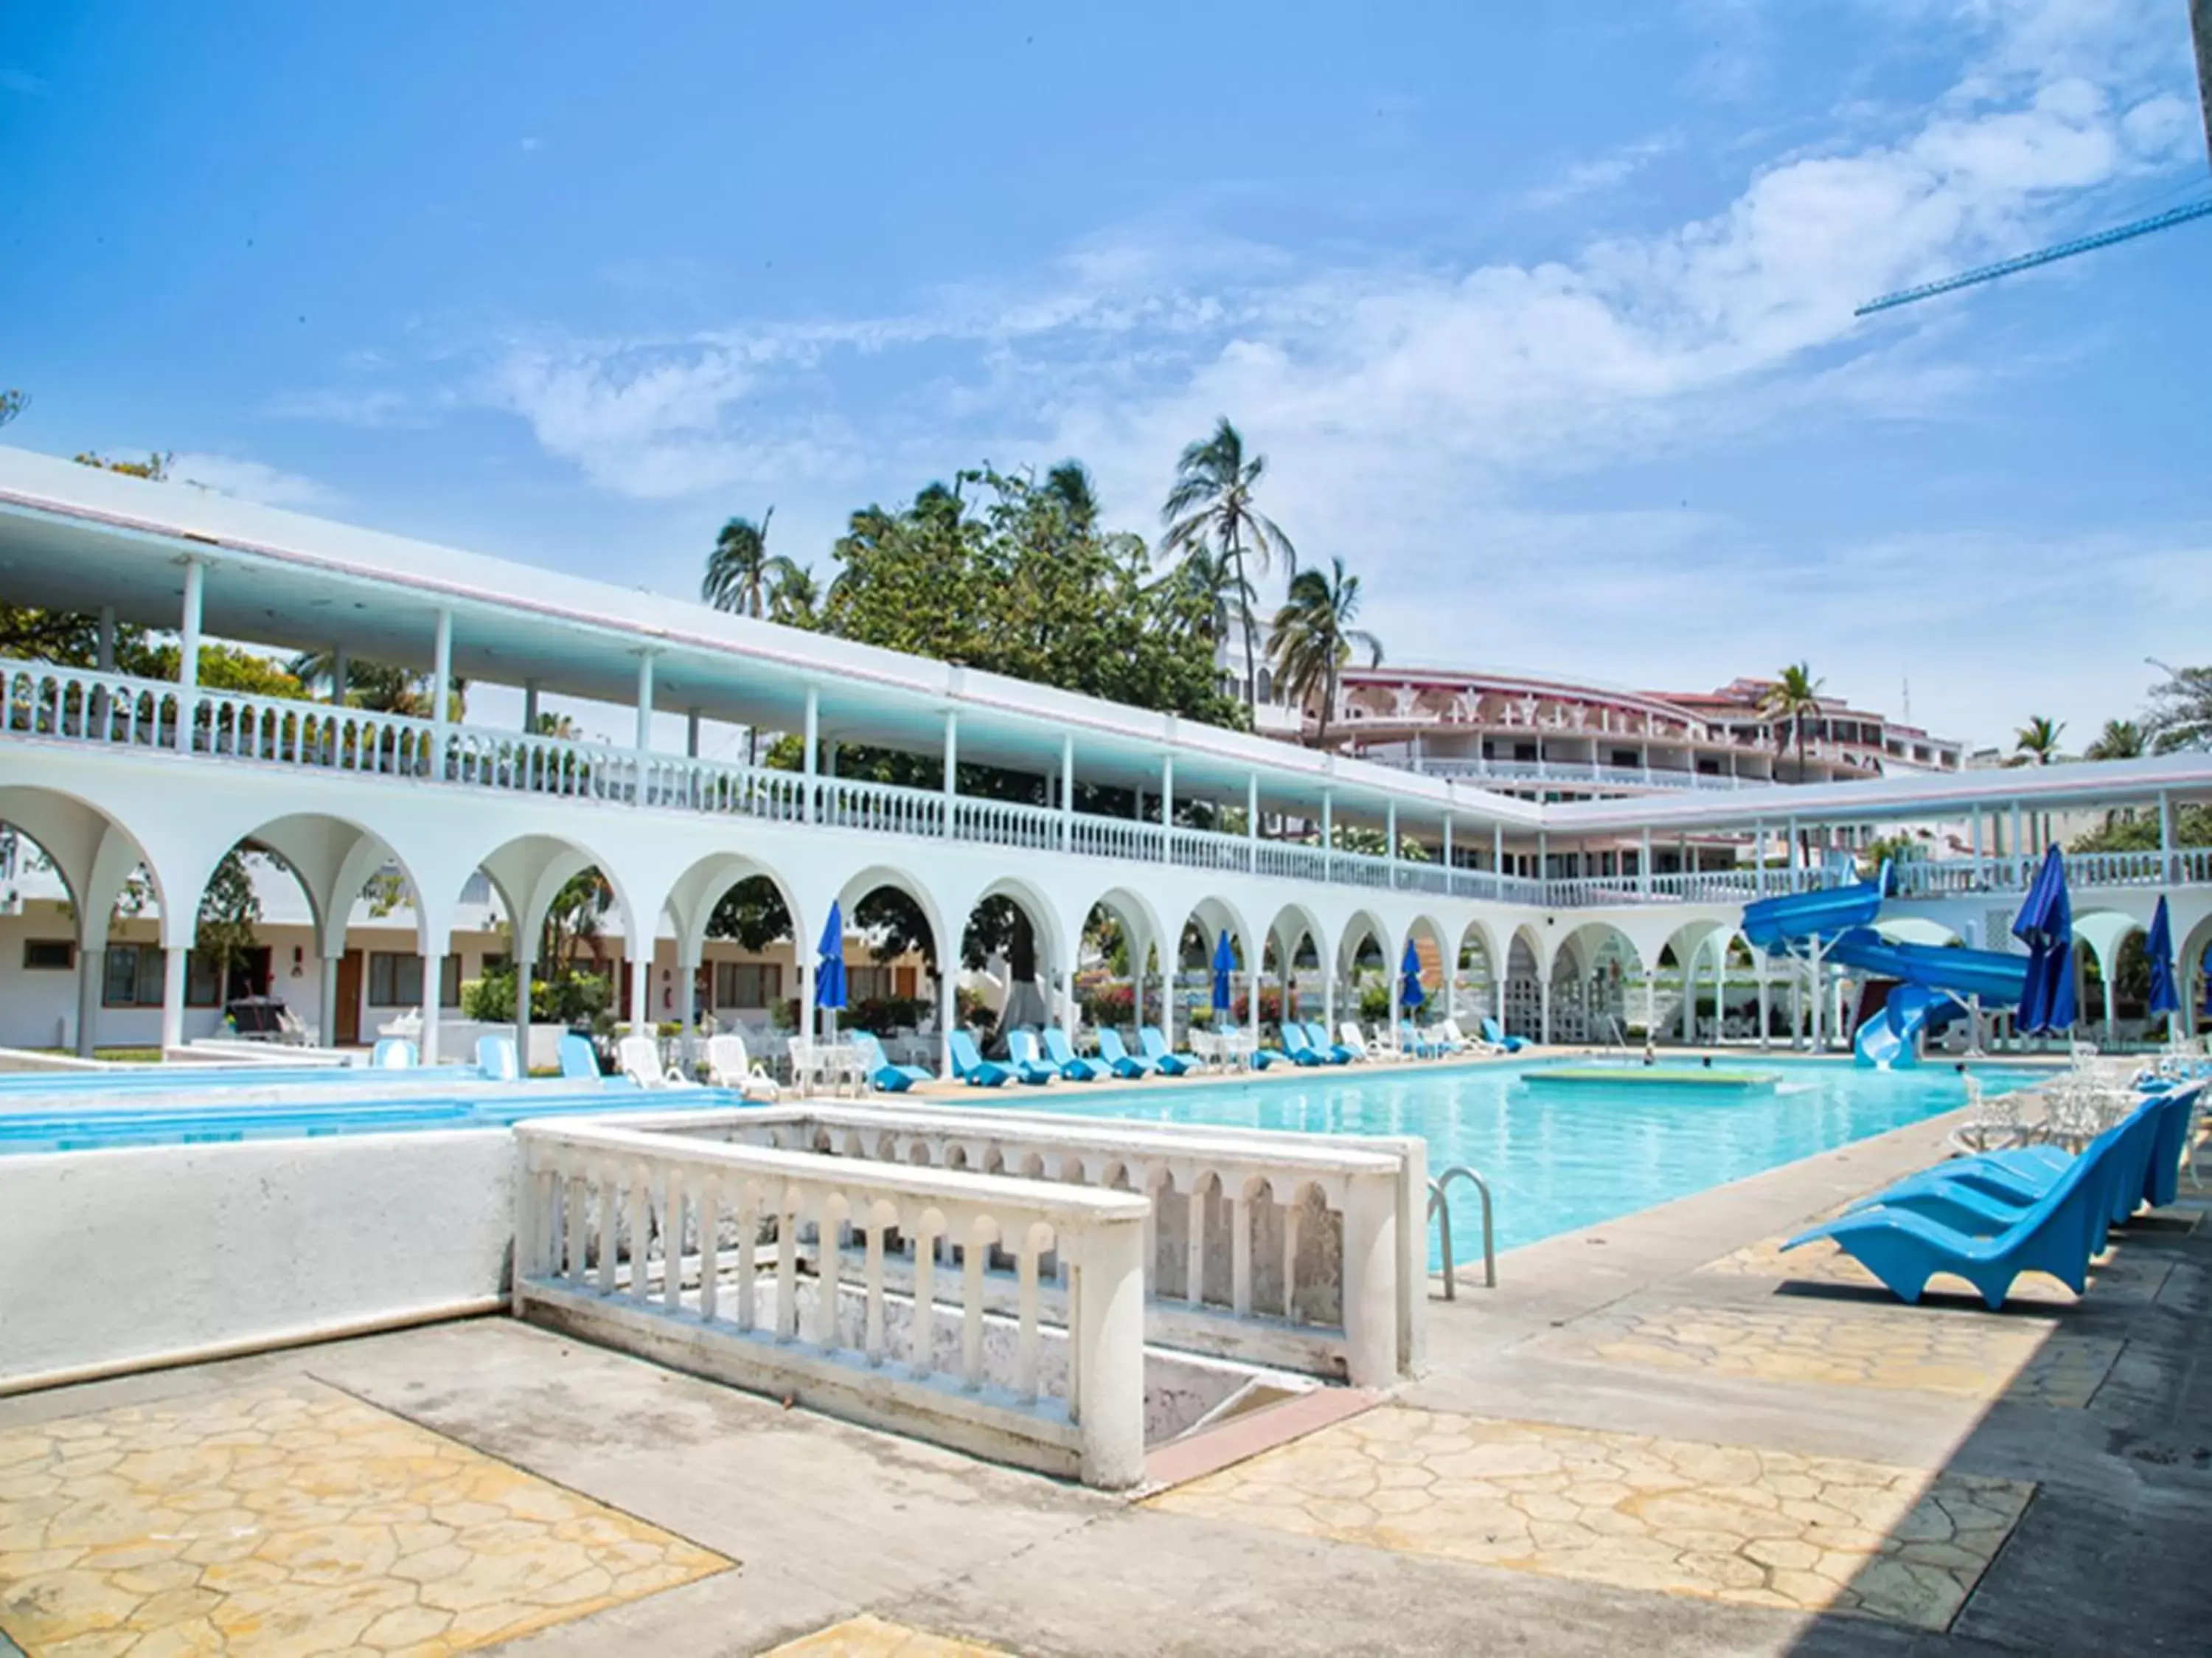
{"type": "Point", "coordinates": [1439, 1211]}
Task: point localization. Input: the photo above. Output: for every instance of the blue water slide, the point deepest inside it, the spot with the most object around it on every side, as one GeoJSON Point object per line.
{"type": "Point", "coordinates": [1930, 976]}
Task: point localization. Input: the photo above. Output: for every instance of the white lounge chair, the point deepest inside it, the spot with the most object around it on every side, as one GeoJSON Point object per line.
{"type": "Point", "coordinates": [640, 1059]}
{"type": "Point", "coordinates": [730, 1066]}
{"type": "Point", "coordinates": [1363, 1046]}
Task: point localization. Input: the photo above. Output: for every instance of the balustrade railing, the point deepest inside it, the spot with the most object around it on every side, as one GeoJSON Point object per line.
{"type": "Point", "coordinates": [1257, 1248]}
{"type": "Point", "coordinates": [733, 1259]}
{"type": "Point", "coordinates": [80, 705]}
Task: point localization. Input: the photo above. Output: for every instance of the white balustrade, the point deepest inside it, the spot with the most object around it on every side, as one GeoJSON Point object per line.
{"type": "Point", "coordinates": [1202, 849]}
{"type": "Point", "coordinates": [733, 1260]}
{"type": "Point", "coordinates": [1282, 1249]}
{"type": "Point", "coordinates": [1005, 823]}
{"type": "Point", "coordinates": [880, 808]}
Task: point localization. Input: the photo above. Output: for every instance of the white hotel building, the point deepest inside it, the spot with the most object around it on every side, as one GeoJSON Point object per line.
{"type": "Point", "coordinates": [126, 785]}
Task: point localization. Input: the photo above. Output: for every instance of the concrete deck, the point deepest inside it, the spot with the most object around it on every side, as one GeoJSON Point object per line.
{"type": "Point", "coordinates": [1657, 1437]}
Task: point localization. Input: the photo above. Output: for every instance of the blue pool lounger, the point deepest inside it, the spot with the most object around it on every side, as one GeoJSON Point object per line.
{"type": "Point", "coordinates": [970, 1067]}
{"type": "Point", "coordinates": [1073, 1065]}
{"type": "Point", "coordinates": [495, 1058]}
{"type": "Point", "coordinates": [1496, 1036]}
{"type": "Point", "coordinates": [1334, 1052]}
{"type": "Point", "coordinates": [882, 1075]}
{"type": "Point", "coordinates": [1164, 1059]}
{"type": "Point", "coordinates": [1029, 1065]}
{"type": "Point", "coordinates": [1118, 1057]}
{"type": "Point", "coordinates": [1298, 1049]}
{"type": "Point", "coordinates": [2057, 1235]}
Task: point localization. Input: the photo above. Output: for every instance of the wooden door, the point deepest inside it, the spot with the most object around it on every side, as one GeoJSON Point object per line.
{"type": "Point", "coordinates": [345, 1022]}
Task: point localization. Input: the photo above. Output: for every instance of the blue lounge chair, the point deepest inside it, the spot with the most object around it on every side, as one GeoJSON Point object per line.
{"type": "Point", "coordinates": [1165, 1060]}
{"type": "Point", "coordinates": [970, 1067]}
{"type": "Point", "coordinates": [1297, 1048]}
{"type": "Point", "coordinates": [1029, 1064]}
{"type": "Point", "coordinates": [1073, 1065]}
{"type": "Point", "coordinates": [1334, 1052]}
{"type": "Point", "coordinates": [1122, 1062]}
{"type": "Point", "coordinates": [1493, 1034]}
{"type": "Point", "coordinates": [2057, 1235]}
{"type": "Point", "coordinates": [495, 1058]}
{"type": "Point", "coordinates": [392, 1053]}
{"type": "Point", "coordinates": [882, 1075]}
{"type": "Point", "coordinates": [579, 1060]}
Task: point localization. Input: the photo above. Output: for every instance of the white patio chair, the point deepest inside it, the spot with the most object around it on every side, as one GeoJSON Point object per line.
{"type": "Point", "coordinates": [730, 1066]}
{"type": "Point", "coordinates": [639, 1056]}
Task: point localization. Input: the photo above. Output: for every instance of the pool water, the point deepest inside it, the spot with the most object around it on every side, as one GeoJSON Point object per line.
{"type": "Point", "coordinates": [1562, 1157]}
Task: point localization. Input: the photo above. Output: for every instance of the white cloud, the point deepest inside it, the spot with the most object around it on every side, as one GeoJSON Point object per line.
{"type": "Point", "coordinates": [250, 480]}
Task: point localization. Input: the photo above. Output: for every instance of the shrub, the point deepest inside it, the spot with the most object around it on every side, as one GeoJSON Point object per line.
{"type": "Point", "coordinates": [568, 999]}
{"type": "Point", "coordinates": [1108, 1004]}
{"type": "Point", "coordinates": [1375, 1004]}
{"type": "Point", "coordinates": [883, 1014]}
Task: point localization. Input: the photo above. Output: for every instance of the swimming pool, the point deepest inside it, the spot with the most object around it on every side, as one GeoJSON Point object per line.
{"type": "Point", "coordinates": [1559, 1157]}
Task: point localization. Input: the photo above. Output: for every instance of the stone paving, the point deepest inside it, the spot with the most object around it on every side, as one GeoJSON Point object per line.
{"type": "Point", "coordinates": [871, 1637]}
{"type": "Point", "coordinates": [293, 1519]}
{"type": "Point", "coordinates": [1754, 1527]}
{"type": "Point", "coordinates": [1930, 1349]}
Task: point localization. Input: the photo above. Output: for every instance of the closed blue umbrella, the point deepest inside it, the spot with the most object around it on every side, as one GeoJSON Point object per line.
{"type": "Point", "coordinates": [2205, 967]}
{"type": "Point", "coordinates": [2045, 925]}
{"type": "Point", "coordinates": [829, 967]}
{"type": "Point", "coordinates": [1410, 993]}
{"type": "Point", "coordinates": [2165, 994]}
{"type": "Point", "coordinates": [1224, 963]}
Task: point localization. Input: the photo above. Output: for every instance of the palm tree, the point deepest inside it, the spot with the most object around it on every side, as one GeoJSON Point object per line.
{"type": "Point", "coordinates": [2036, 743]}
{"type": "Point", "coordinates": [741, 572]}
{"type": "Point", "coordinates": [1210, 580]}
{"type": "Point", "coordinates": [1069, 484]}
{"type": "Point", "coordinates": [1313, 638]}
{"type": "Point", "coordinates": [1793, 699]}
{"type": "Point", "coordinates": [1211, 505]}
{"type": "Point", "coordinates": [2120, 739]}
{"type": "Point", "coordinates": [795, 598]}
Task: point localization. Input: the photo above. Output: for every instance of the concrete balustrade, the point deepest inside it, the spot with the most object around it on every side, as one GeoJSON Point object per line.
{"type": "Point", "coordinates": [729, 1260]}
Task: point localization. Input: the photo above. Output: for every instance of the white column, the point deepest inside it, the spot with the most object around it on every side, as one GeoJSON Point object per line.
{"type": "Point", "coordinates": [431, 964]}
{"type": "Point", "coordinates": [951, 785]}
{"type": "Point", "coordinates": [691, 733]}
{"type": "Point", "coordinates": [1167, 807]}
{"type": "Point", "coordinates": [1390, 851]}
{"type": "Point", "coordinates": [812, 735]}
{"type": "Point", "coordinates": [1498, 849]}
{"type": "Point", "coordinates": [1370, 1280]}
{"type": "Point", "coordinates": [948, 1007]}
{"type": "Point", "coordinates": [530, 706]}
{"type": "Point", "coordinates": [1543, 856]}
{"type": "Point", "coordinates": [327, 976]}
{"type": "Point", "coordinates": [1066, 791]}
{"type": "Point", "coordinates": [1544, 1005]}
{"type": "Point", "coordinates": [524, 973]}
{"type": "Point", "coordinates": [91, 980]}
{"type": "Point", "coordinates": [441, 679]}
{"type": "Point", "coordinates": [188, 673]}
{"type": "Point", "coordinates": [105, 658]}
{"type": "Point", "coordinates": [645, 660]}
{"type": "Point", "coordinates": [1252, 821]}
{"type": "Point", "coordinates": [173, 999]}
{"type": "Point", "coordinates": [2164, 865]}
{"type": "Point", "coordinates": [1974, 842]}
{"type": "Point", "coordinates": [2019, 845]}
{"type": "Point", "coordinates": [1690, 996]}
{"type": "Point", "coordinates": [1328, 847]}
{"type": "Point", "coordinates": [1643, 865]}
{"type": "Point", "coordinates": [1447, 851]}
{"type": "Point", "coordinates": [640, 989]}
{"type": "Point", "coordinates": [1107, 1310]}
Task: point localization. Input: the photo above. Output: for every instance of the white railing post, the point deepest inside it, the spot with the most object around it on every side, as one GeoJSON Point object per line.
{"type": "Point", "coordinates": [1370, 1280]}
{"type": "Point", "coordinates": [1108, 1323]}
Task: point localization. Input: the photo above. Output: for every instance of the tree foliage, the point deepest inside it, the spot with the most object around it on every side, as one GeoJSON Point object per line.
{"type": "Point", "coordinates": [1314, 637]}
{"type": "Point", "coordinates": [2180, 710]}
{"type": "Point", "coordinates": [2120, 739]}
{"type": "Point", "coordinates": [1213, 506]}
{"type": "Point", "coordinates": [2036, 743]}
{"type": "Point", "coordinates": [229, 911]}
{"type": "Point", "coordinates": [1792, 699]}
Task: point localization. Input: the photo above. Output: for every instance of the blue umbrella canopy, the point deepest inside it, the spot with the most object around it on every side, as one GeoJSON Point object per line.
{"type": "Point", "coordinates": [1410, 993]}
{"type": "Point", "coordinates": [2165, 994]}
{"type": "Point", "coordinates": [829, 962]}
{"type": "Point", "coordinates": [2045, 925]}
{"type": "Point", "coordinates": [2205, 967]}
{"type": "Point", "coordinates": [1224, 963]}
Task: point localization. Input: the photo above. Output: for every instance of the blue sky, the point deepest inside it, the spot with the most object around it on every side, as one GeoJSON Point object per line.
{"type": "Point", "coordinates": [1542, 314]}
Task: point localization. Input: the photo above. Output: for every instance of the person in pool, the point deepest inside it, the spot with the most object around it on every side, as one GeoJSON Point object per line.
{"type": "Point", "coordinates": [1650, 1056]}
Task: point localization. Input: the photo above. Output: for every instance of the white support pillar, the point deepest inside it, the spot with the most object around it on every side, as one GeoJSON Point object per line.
{"type": "Point", "coordinates": [441, 680]}
{"type": "Point", "coordinates": [948, 1007]}
{"type": "Point", "coordinates": [1167, 811]}
{"type": "Point", "coordinates": [1067, 791]}
{"type": "Point", "coordinates": [2166, 871]}
{"type": "Point", "coordinates": [644, 744]}
{"type": "Point", "coordinates": [2019, 847]}
{"type": "Point", "coordinates": [951, 784]}
{"type": "Point", "coordinates": [105, 659]}
{"type": "Point", "coordinates": [91, 980]}
{"type": "Point", "coordinates": [188, 673]}
{"type": "Point", "coordinates": [432, 962]}
{"type": "Point", "coordinates": [640, 962]}
{"type": "Point", "coordinates": [173, 999]}
{"type": "Point", "coordinates": [1252, 822]}
{"type": "Point", "coordinates": [812, 735]}
{"type": "Point", "coordinates": [530, 707]}
{"type": "Point", "coordinates": [691, 716]}
{"type": "Point", "coordinates": [1974, 842]}
{"type": "Point", "coordinates": [1447, 851]}
{"type": "Point", "coordinates": [1498, 849]}
{"type": "Point", "coordinates": [1690, 996]}
{"type": "Point", "coordinates": [327, 996]}
{"type": "Point", "coordinates": [1328, 848]}
{"type": "Point", "coordinates": [1544, 1007]}
{"type": "Point", "coordinates": [523, 971]}
{"type": "Point", "coordinates": [1390, 854]}
{"type": "Point", "coordinates": [1543, 856]}
{"type": "Point", "coordinates": [1643, 865]}
{"type": "Point", "coordinates": [1765, 1001]}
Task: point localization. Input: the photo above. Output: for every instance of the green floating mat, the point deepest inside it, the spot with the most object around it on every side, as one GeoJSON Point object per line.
{"type": "Point", "coordinates": [1652, 1076]}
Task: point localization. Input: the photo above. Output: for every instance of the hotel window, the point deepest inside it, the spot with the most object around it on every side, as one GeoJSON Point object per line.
{"type": "Point", "coordinates": [868, 984]}
{"type": "Point", "coordinates": [48, 955]}
{"type": "Point", "coordinates": [134, 979]}
{"type": "Point", "coordinates": [395, 980]}
{"type": "Point", "coordinates": [748, 984]}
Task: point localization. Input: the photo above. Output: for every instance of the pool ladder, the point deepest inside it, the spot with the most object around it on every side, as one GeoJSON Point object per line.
{"type": "Point", "coordinates": [1441, 1212]}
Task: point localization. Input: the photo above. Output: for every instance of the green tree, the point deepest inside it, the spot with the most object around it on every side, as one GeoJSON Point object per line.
{"type": "Point", "coordinates": [1314, 637]}
{"type": "Point", "coordinates": [12, 403]}
{"type": "Point", "coordinates": [230, 909]}
{"type": "Point", "coordinates": [794, 598]}
{"type": "Point", "coordinates": [1070, 486]}
{"type": "Point", "coordinates": [1793, 699]}
{"type": "Point", "coordinates": [2036, 743]}
{"type": "Point", "coordinates": [741, 572]}
{"type": "Point", "coordinates": [1211, 504]}
{"type": "Point", "coordinates": [2120, 739]}
{"type": "Point", "coordinates": [2181, 709]}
